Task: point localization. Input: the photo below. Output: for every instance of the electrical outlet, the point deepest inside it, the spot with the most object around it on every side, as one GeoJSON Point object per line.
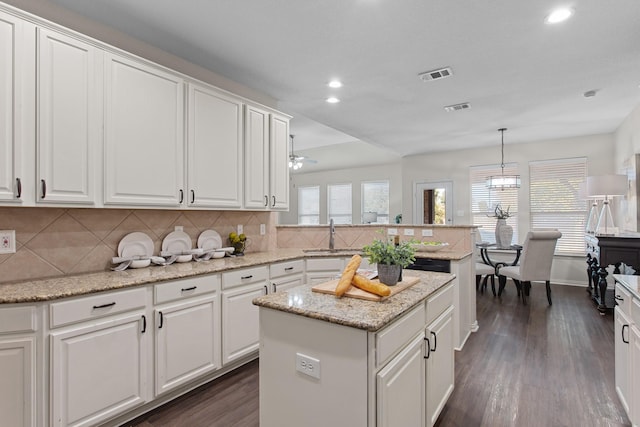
{"type": "Point", "coordinates": [178, 228]}
{"type": "Point", "coordinates": [263, 229]}
{"type": "Point", "coordinates": [392, 231]}
{"type": "Point", "coordinates": [240, 229]}
{"type": "Point", "coordinates": [427, 233]}
{"type": "Point", "coordinates": [7, 241]}
{"type": "Point", "coordinates": [408, 231]}
{"type": "Point", "coordinates": [308, 365]}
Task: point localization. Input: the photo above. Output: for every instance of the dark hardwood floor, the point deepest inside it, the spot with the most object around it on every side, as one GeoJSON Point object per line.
{"type": "Point", "coordinates": [531, 365]}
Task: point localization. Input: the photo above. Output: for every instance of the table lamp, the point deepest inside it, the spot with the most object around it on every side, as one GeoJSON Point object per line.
{"type": "Point", "coordinates": [604, 187]}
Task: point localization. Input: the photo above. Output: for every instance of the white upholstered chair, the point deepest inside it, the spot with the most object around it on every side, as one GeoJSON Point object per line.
{"type": "Point", "coordinates": [483, 273]}
{"type": "Point", "coordinates": [535, 263]}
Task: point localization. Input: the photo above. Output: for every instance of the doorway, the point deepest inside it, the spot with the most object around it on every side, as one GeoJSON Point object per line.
{"type": "Point", "coordinates": [433, 202]}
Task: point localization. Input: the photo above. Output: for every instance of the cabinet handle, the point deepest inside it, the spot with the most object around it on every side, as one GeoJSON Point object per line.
{"type": "Point", "coordinates": [19, 188]}
{"type": "Point", "coordinates": [144, 324]}
{"type": "Point", "coordinates": [193, 196]}
{"type": "Point", "coordinates": [111, 304]}
{"type": "Point", "coordinates": [623, 340]}
{"type": "Point", "coordinates": [275, 288]}
{"type": "Point", "coordinates": [428, 348]}
{"type": "Point", "coordinates": [274, 200]}
{"type": "Point", "coordinates": [266, 200]}
{"type": "Point", "coordinates": [44, 188]}
{"type": "Point", "coordinates": [435, 341]}
{"type": "Point", "coordinates": [247, 277]}
{"type": "Point", "coordinates": [618, 298]}
{"type": "Point", "coordinates": [161, 321]}
{"type": "Point", "coordinates": [266, 290]}
{"type": "Point", "coordinates": [288, 268]}
{"type": "Point", "coordinates": [192, 288]}
{"type": "Point", "coordinates": [181, 196]}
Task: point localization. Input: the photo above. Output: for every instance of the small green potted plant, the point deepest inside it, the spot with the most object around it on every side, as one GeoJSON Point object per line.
{"type": "Point", "coordinates": [390, 257]}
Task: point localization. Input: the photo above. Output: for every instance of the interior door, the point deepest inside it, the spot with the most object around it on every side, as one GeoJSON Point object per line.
{"type": "Point", "coordinates": [433, 202]}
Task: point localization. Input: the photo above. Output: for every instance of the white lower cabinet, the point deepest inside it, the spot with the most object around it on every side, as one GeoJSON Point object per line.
{"type": "Point", "coordinates": [440, 364]}
{"type": "Point", "coordinates": [240, 321]}
{"type": "Point", "coordinates": [622, 321]}
{"type": "Point", "coordinates": [187, 331]}
{"type": "Point", "coordinates": [286, 275]}
{"type": "Point", "coordinates": [321, 270]}
{"type": "Point", "coordinates": [634, 401]}
{"type": "Point", "coordinates": [18, 366]}
{"type": "Point", "coordinates": [98, 357]}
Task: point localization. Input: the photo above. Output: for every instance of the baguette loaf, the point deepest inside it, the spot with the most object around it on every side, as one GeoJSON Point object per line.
{"type": "Point", "coordinates": [370, 286]}
{"type": "Point", "coordinates": [347, 275]}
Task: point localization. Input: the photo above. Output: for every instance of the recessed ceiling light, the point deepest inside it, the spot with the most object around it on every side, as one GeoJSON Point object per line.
{"type": "Point", "coordinates": [333, 100]}
{"type": "Point", "coordinates": [590, 93]}
{"type": "Point", "coordinates": [335, 84]}
{"type": "Point", "coordinates": [559, 15]}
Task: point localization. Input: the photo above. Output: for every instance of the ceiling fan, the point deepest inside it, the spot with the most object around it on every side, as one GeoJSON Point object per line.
{"type": "Point", "coordinates": [295, 161]}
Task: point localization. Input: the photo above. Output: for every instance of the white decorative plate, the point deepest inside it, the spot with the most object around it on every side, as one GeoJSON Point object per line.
{"type": "Point", "coordinates": [209, 239]}
{"type": "Point", "coordinates": [135, 244]}
{"type": "Point", "coordinates": [176, 242]}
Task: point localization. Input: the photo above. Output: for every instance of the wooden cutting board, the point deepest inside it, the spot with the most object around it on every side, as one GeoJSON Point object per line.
{"type": "Point", "coordinates": [353, 292]}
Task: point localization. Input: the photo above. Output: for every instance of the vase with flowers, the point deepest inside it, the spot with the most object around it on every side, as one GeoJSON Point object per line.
{"type": "Point", "coordinates": [504, 232]}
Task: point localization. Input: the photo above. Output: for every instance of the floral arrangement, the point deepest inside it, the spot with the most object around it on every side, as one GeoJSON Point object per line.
{"type": "Point", "coordinates": [500, 213]}
{"type": "Point", "coordinates": [386, 252]}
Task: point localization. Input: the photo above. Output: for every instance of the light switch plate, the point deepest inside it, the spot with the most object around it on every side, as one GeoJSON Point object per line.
{"type": "Point", "coordinates": [427, 233]}
{"type": "Point", "coordinates": [7, 241]}
{"type": "Point", "coordinates": [240, 229]}
{"type": "Point", "coordinates": [408, 231]}
{"type": "Point", "coordinates": [263, 229]}
{"type": "Point", "coordinates": [392, 231]}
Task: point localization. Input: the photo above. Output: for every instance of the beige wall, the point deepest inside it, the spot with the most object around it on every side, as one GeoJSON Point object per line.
{"type": "Point", "coordinates": [55, 242]}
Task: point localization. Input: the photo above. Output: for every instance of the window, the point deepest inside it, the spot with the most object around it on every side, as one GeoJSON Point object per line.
{"type": "Point", "coordinates": [556, 202]}
{"type": "Point", "coordinates": [309, 205]}
{"type": "Point", "coordinates": [484, 201]}
{"type": "Point", "coordinates": [375, 198]}
{"type": "Point", "coordinates": [339, 203]}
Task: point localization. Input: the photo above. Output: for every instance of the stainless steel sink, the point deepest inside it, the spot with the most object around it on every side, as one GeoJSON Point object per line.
{"type": "Point", "coordinates": [328, 251]}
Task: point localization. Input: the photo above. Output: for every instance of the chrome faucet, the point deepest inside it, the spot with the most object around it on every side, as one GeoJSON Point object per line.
{"type": "Point", "coordinates": [332, 235]}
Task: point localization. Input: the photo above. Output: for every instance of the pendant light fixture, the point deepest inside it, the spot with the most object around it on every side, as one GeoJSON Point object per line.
{"type": "Point", "coordinates": [502, 181]}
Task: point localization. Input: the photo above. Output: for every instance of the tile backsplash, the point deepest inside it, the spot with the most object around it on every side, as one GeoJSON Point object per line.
{"type": "Point", "coordinates": [58, 241]}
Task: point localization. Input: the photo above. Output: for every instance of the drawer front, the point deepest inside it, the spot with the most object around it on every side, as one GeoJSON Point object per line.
{"type": "Point", "coordinates": [438, 303]}
{"type": "Point", "coordinates": [284, 268]}
{"type": "Point", "coordinates": [18, 319]}
{"type": "Point", "coordinates": [324, 264]}
{"type": "Point", "coordinates": [623, 299]}
{"type": "Point", "coordinates": [394, 337]}
{"type": "Point", "coordinates": [244, 276]}
{"type": "Point", "coordinates": [96, 306]}
{"type": "Point", "coordinates": [186, 288]}
{"type": "Point", "coordinates": [635, 312]}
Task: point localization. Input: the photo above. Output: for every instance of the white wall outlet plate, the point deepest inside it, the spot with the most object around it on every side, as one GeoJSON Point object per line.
{"type": "Point", "coordinates": [308, 365]}
{"type": "Point", "coordinates": [178, 228]}
{"type": "Point", "coordinates": [392, 231]}
{"type": "Point", "coordinates": [408, 231]}
{"type": "Point", "coordinates": [7, 241]}
{"type": "Point", "coordinates": [240, 229]}
{"type": "Point", "coordinates": [263, 229]}
{"type": "Point", "coordinates": [427, 233]}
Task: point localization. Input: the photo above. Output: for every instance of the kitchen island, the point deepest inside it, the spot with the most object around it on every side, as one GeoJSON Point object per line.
{"type": "Point", "coordinates": [329, 361]}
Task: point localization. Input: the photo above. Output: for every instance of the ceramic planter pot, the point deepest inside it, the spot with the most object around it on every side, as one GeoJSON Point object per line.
{"type": "Point", "coordinates": [389, 274]}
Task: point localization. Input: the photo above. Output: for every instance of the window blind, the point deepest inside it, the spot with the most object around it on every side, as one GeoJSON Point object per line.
{"type": "Point", "coordinates": [484, 201]}
{"type": "Point", "coordinates": [375, 198]}
{"type": "Point", "coordinates": [309, 205]}
{"type": "Point", "coordinates": [556, 202]}
{"type": "Point", "coordinates": [339, 203]}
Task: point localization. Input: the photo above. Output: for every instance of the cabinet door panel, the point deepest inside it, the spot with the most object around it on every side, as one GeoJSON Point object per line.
{"type": "Point", "coordinates": [98, 371]}
{"type": "Point", "coordinates": [69, 118]}
{"type": "Point", "coordinates": [634, 401]}
{"type": "Point", "coordinates": [400, 388]}
{"type": "Point", "coordinates": [241, 333]}
{"type": "Point", "coordinates": [188, 344]}
{"type": "Point", "coordinates": [144, 141]}
{"type": "Point", "coordinates": [214, 149]}
{"type": "Point", "coordinates": [622, 357]}
{"type": "Point", "coordinates": [17, 389]}
{"type": "Point", "coordinates": [256, 155]}
{"type": "Point", "coordinates": [279, 168]}
{"type": "Point", "coordinates": [10, 81]}
{"type": "Point", "coordinates": [440, 365]}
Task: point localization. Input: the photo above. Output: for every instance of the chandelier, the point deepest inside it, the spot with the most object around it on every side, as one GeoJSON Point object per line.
{"type": "Point", "coordinates": [502, 181]}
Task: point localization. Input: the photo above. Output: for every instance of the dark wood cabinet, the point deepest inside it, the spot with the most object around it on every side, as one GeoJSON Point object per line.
{"type": "Point", "coordinates": [603, 251]}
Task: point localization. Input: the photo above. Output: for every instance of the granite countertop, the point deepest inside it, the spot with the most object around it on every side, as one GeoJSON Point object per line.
{"type": "Point", "coordinates": [357, 313]}
{"type": "Point", "coordinates": [631, 283]}
{"type": "Point", "coordinates": [69, 286]}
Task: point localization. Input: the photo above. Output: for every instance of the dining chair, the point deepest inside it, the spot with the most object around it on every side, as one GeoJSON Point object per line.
{"type": "Point", "coordinates": [535, 263]}
{"type": "Point", "coordinates": [483, 273]}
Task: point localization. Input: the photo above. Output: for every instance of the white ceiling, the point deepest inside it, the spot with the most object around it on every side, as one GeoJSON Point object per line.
{"type": "Point", "coordinates": [515, 70]}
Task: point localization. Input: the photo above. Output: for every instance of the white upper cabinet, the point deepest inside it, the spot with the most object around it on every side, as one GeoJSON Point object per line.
{"type": "Point", "coordinates": [279, 162]}
{"type": "Point", "coordinates": [11, 72]}
{"type": "Point", "coordinates": [214, 150]}
{"type": "Point", "coordinates": [266, 160]}
{"type": "Point", "coordinates": [144, 138]}
{"type": "Point", "coordinates": [69, 119]}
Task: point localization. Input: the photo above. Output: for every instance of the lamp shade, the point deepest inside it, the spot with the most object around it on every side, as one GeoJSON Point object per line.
{"type": "Point", "coordinates": [603, 186]}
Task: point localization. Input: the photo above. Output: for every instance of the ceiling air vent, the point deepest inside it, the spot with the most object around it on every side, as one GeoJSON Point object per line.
{"type": "Point", "coordinates": [458, 107]}
{"type": "Point", "coordinates": [436, 74]}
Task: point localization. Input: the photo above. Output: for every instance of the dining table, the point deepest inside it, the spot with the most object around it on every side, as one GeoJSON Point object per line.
{"type": "Point", "coordinates": [487, 248]}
